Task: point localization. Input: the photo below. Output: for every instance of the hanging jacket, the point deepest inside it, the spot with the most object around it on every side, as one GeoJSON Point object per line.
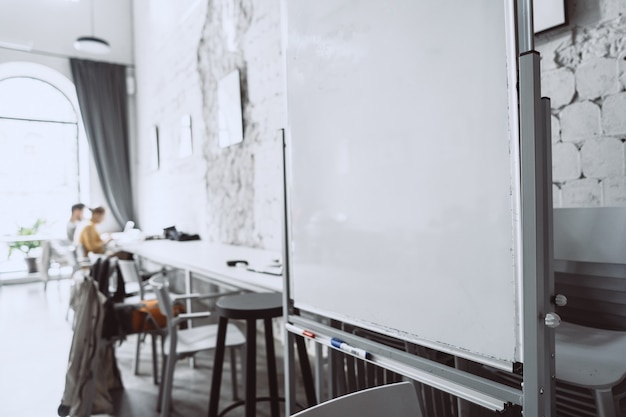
{"type": "Point", "coordinates": [89, 353]}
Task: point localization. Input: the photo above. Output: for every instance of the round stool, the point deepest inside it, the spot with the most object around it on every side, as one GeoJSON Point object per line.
{"type": "Point", "coordinates": [249, 307]}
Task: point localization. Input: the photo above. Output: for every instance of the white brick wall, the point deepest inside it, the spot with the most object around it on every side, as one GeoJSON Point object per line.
{"type": "Point", "coordinates": [584, 192]}
{"type": "Point", "coordinates": [566, 162]}
{"type": "Point", "coordinates": [596, 78]}
{"type": "Point", "coordinates": [579, 121]}
{"type": "Point", "coordinates": [556, 196]}
{"type": "Point", "coordinates": [614, 191]}
{"type": "Point", "coordinates": [601, 158]}
{"type": "Point", "coordinates": [559, 85]}
{"type": "Point", "coordinates": [584, 74]}
{"type": "Point", "coordinates": [614, 114]}
{"type": "Point", "coordinates": [555, 129]}
{"type": "Point", "coordinates": [622, 69]}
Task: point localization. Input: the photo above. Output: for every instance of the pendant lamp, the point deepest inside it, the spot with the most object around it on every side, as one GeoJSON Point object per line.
{"type": "Point", "coordinates": [92, 44]}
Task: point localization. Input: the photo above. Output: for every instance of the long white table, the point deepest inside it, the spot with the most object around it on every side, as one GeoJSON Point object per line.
{"type": "Point", "coordinates": [207, 261]}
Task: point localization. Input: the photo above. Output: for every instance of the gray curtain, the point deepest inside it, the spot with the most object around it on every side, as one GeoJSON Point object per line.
{"type": "Point", "coordinates": [101, 89]}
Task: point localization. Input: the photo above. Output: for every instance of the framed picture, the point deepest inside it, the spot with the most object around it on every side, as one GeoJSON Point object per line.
{"type": "Point", "coordinates": [548, 14]}
{"type": "Point", "coordinates": [230, 120]}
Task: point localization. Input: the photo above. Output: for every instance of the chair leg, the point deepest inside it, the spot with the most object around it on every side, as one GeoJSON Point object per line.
{"type": "Point", "coordinates": [250, 382]}
{"type": "Point", "coordinates": [155, 367]}
{"type": "Point", "coordinates": [605, 402]}
{"type": "Point", "coordinates": [137, 353]}
{"type": "Point", "coordinates": [160, 396]}
{"type": "Point", "coordinates": [167, 384]}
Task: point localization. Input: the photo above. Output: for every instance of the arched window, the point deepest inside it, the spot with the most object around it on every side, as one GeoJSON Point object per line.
{"type": "Point", "coordinates": [40, 156]}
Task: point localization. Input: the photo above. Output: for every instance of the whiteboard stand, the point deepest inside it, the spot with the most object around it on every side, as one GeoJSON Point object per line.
{"type": "Point", "coordinates": [536, 396]}
{"type": "Point", "coordinates": [538, 282]}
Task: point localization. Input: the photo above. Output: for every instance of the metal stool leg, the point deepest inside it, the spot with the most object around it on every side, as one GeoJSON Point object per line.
{"type": "Point", "coordinates": [233, 372]}
{"type": "Point", "coordinates": [305, 368]}
{"type": "Point", "coordinates": [217, 367]}
{"type": "Point", "coordinates": [250, 392]}
{"type": "Point", "coordinates": [272, 376]}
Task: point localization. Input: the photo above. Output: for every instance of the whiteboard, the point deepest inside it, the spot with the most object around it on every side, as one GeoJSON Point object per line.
{"type": "Point", "coordinates": [403, 198]}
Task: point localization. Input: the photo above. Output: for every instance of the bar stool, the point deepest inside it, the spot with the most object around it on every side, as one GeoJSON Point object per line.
{"type": "Point", "coordinates": [252, 307]}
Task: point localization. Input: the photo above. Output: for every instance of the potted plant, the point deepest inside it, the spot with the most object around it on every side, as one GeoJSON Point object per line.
{"type": "Point", "coordinates": [28, 246]}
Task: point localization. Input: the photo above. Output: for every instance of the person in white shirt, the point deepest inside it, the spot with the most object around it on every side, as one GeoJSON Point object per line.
{"type": "Point", "coordinates": [75, 220]}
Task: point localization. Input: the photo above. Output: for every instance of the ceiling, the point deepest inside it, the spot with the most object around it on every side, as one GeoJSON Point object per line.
{"type": "Point", "coordinates": [51, 26]}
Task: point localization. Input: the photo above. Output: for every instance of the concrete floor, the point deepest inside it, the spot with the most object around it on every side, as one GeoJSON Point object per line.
{"type": "Point", "coordinates": [34, 346]}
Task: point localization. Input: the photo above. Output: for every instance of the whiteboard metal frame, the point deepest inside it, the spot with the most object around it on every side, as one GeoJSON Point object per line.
{"type": "Point", "coordinates": [537, 394]}
{"type": "Point", "coordinates": [537, 249]}
{"type": "Point", "coordinates": [343, 219]}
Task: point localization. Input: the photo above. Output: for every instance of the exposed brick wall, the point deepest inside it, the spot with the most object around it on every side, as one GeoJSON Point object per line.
{"type": "Point", "coordinates": [584, 73]}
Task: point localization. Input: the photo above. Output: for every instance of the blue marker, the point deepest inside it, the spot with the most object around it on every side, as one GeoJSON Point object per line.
{"type": "Point", "coordinates": [340, 344]}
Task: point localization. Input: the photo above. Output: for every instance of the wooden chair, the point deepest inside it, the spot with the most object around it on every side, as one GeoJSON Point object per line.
{"type": "Point", "coordinates": [392, 400]}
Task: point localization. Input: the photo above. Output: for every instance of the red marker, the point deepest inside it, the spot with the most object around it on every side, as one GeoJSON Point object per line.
{"type": "Point", "coordinates": [308, 334]}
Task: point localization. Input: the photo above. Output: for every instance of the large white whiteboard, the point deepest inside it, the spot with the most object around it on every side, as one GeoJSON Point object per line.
{"type": "Point", "coordinates": [404, 210]}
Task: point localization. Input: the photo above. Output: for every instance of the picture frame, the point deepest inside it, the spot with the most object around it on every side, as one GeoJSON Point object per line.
{"type": "Point", "coordinates": [548, 15]}
{"type": "Point", "coordinates": [185, 140]}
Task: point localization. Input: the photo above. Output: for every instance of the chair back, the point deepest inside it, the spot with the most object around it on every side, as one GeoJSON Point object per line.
{"type": "Point", "coordinates": [596, 293]}
{"type": "Point", "coordinates": [128, 269]}
{"type": "Point", "coordinates": [392, 400]}
{"type": "Point", "coordinates": [160, 285]}
{"type": "Point", "coordinates": [46, 255]}
{"type": "Point", "coordinates": [590, 266]}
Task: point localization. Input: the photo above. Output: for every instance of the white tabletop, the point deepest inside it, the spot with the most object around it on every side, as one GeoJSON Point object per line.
{"type": "Point", "coordinates": [209, 260]}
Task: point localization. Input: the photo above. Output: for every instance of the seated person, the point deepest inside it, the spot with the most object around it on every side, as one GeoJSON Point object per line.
{"type": "Point", "coordinates": [75, 219]}
{"type": "Point", "coordinates": [90, 238]}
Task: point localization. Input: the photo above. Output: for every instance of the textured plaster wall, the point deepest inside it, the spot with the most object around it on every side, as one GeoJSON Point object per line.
{"type": "Point", "coordinates": [230, 195]}
{"type": "Point", "coordinates": [584, 74]}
